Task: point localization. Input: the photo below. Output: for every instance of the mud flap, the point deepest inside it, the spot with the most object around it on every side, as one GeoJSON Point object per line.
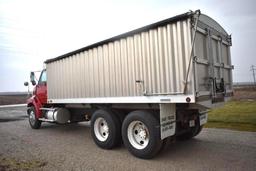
{"type": "Point", "coordinates": [167, 120]}
{"type": "Point", "coordinates": [203, 119]}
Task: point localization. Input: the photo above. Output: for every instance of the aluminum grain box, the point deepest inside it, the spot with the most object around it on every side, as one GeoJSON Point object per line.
{"type": "Point", "coordinates": [159, 63]}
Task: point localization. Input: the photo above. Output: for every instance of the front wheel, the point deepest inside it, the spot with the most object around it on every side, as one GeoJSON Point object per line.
{"type": "Point", "coordinates": [33, 121]}
{"type": "Point", "coordinates": [141, 134]}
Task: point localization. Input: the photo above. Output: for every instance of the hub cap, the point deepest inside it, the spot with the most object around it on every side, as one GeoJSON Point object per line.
{"type": "Point", "coordinates": [138, 134]}
{"type": "Point", "coordinates": [101, 129]}
{"type": "Point", "coordinates": [32, 117]}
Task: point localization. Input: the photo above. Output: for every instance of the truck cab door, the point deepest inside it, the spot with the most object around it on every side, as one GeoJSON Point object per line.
{"type": "Point", "coordinates": [41, 88]}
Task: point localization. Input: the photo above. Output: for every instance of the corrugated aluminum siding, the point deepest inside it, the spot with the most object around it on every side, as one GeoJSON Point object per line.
{"type": "Point", "coordinates": [158, 57]}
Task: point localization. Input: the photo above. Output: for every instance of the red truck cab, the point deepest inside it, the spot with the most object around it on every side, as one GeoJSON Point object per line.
{"type": "Point", "coordinates": [38, 99]}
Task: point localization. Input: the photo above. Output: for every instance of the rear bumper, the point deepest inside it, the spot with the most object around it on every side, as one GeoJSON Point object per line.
{"type": "Point", "coordinates": [208, 101]}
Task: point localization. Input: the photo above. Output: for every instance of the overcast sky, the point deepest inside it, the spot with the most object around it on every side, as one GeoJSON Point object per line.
{"type": "Point", "coordinates": [32, 31]}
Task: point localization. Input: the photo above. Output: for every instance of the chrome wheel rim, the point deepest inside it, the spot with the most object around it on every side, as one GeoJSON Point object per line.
{"type": "Point", "coordinates": [32, 117]}
{"type": "Point", "coordinates": [138, 135]}
{"type": "Point", "coordinates": [101, 129]}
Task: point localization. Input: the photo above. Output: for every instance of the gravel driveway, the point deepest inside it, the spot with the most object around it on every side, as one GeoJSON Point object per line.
{"type": "Point", "coordinates": [70, 147]}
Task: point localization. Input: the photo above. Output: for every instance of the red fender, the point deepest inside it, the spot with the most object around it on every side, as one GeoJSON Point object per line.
{"type": "Point", "coordinates": [33, 101]}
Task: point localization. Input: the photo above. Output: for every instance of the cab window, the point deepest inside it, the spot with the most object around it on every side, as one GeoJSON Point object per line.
{"type": "Point", "coordinates": [42, 79]}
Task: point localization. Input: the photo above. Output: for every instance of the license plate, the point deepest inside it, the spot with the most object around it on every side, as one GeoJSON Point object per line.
{"type": "Point", "coordinates": [203, 119]}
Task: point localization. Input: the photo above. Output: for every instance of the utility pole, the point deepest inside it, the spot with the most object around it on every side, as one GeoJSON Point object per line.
{"type": "Point", "coordinates": [253, 69]}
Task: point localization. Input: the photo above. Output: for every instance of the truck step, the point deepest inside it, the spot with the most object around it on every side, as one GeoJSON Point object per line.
{"type": "Point", "coordinates": [48, 109]}
{"type": "Point", "coordinates": [46, 120]}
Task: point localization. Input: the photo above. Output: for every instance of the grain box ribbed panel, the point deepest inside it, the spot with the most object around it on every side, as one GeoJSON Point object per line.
{"type": "Point", "coordinates": [83, 65]}
{"type": "Point", "coordinates": [154, 61]}
{"type": "Point", "coordinates": [58, 91]}
{"type": "Point", "coordinates": [64, 72]}
{"type": "Point", "coordinates": [86, 65]}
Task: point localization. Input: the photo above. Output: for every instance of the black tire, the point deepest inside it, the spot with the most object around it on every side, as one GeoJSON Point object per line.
{"type": "Point", "coordinates": [114, 129]}
{"type": "Point", "coordinates": [194, 131]}
{"type": "Point", "coordinates": [152, 124]}
{"type": "Point", "coordinates": [198, 131]}
{"type": "Point", "coordinates": [33, 121]}
{"type": "Point", "coordinates": [120, 115]}
{"type": "Point", "coordinates": [166, 142]}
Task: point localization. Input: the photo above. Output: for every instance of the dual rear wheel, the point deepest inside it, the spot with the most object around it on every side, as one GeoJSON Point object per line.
{"type": "Point", "coordinates": [106, 129]}
{"type": "Point", "coordinates": [141, 134]}
{"type": "Point", "coordinates": [139, 131]}
{"type": "Point", "coordinates": [192, 132]}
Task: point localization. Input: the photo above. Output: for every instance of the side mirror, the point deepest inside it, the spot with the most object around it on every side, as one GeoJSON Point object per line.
{"type": "Point", "coordinates": [32, 78]}
{"type": "Point", "coordinates": [26, 83]}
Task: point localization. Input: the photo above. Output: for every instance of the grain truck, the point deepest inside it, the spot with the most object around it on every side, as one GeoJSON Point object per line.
{"type": "Point", "coordinates": [139, 88]}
